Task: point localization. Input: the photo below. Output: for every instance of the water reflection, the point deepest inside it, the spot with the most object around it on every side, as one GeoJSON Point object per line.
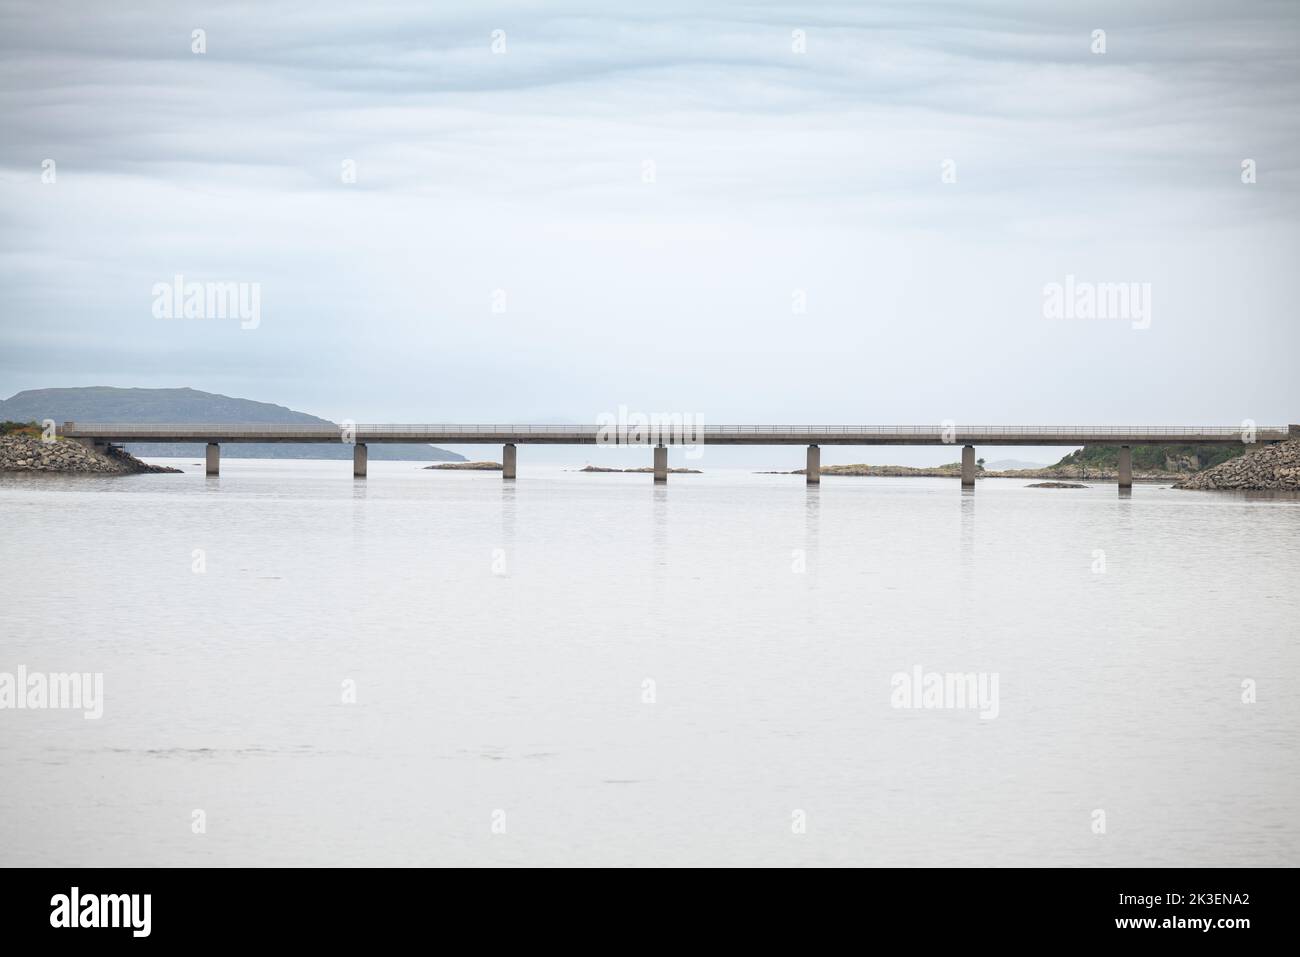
{"type": "Point", "coordinates": [509, 512]}
{"type": "Point", "coordinates": [967, 541]}
{"type": "Point", "coordinates": [812, 510]}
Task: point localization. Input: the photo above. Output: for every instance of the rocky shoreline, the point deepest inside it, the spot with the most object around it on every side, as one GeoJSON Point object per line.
{"type": "Point", "coordinates": [25, 453]}
{"type": "Point", "coordinates": [1268, 468]}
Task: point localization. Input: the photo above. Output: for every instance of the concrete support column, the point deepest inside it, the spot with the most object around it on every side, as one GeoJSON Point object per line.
{"type": "Point", "coordinates": [508, 461]}
{"type": "Point", "coordinates": [968, 466]}
{"type": "Point", "coordinates": [661, 463]}
{"type": "Point", "coordinates": [1125, 467]}
{"type": "Point", "coordinates": [360, 456]}
{"type": "Point", "coordinates": [213, 460]}
{"type": "Point", "coordinates": [813, 471]}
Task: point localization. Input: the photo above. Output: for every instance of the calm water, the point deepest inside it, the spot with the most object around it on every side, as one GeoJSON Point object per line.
{"type": "Point", "coordinates": [501, 636]}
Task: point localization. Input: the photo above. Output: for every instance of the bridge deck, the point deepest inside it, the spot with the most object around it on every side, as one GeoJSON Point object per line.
{"type": "Point", "coordinates": [997, 435]}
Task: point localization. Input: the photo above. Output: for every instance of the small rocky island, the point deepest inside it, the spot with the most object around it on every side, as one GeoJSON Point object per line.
{"type": "Point", "coordinates": [22, 450]}
{"type": "Point", "coordinates": [640, 469]}
{"type": "Point", "coordinates": [952, 470]}
{"type": "Point", "coordinates": [1055, 485]}
{"type": "Point", "coordinates": [466, 466]}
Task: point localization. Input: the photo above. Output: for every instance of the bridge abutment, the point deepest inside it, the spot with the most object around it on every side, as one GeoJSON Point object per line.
{"type": "Point", "coordinates": [661, 463]}
{"type": "Point", "coordinates": [1125, 467]}
{"type": "Point", "coordinates": [509, 461]}
{"type": "Point", "coordinates": [968, 466]}
{"type": "Point", "coordinates": [360, 458]}
{"type": "Point", "coordinates": [212, 461]}
{"type": "Point", "coordinates": [813, 470]}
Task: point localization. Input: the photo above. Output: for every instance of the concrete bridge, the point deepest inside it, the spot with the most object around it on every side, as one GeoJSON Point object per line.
{"type": "Point", "coordinates": [661, 435]}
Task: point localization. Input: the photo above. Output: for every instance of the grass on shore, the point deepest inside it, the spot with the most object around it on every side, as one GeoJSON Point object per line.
{"type": "Point", "coordinates": [32, 429]}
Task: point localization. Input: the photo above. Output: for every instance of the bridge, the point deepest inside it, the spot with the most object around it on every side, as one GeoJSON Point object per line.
{"type": "Point", "coordinates": [661, 435]}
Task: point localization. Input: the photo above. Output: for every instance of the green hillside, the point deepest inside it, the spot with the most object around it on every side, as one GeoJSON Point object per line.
{"type": "Point", "coordinates": [1154, 458]}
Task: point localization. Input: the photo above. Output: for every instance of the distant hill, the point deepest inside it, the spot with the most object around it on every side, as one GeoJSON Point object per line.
{"type": "Point", "coordinates": [1007, 465]}
{"type": "Point", "coordinates": [108, 404]}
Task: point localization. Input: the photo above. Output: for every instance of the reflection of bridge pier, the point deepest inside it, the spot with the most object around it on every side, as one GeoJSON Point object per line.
{"type": "Point", "coordinates": [99, 435]}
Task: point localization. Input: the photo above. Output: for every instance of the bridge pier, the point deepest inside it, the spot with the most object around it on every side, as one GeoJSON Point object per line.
{"type": "Point", "coordinates": [360, 456]}
{"type": "Point", "coordinates": [813, 471]}
{"type": "Point", "coordinates": [968, 466]}
{"type": "Point", "coordinates": [661, 463]}
{"type": "Point", "coordinates": [1125, 467]}
{"type": "Point", "coordinates": [212, 462]}
{"type": "Point", "coordinates": [508, 461]}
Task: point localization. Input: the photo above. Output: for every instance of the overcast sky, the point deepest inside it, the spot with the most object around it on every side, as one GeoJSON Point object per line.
{"type": "Point", "coordinates": [778, 177]}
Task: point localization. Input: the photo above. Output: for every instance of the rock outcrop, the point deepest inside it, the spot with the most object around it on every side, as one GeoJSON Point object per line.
{"type": "Point", "coordinates": [892, 471]}
{"type": "Point", "coordinates": [25, 453]}
{"type": "Point", "coordinates": [1268, 468]}
{"type": "Point", "coordinates": [466, 466]}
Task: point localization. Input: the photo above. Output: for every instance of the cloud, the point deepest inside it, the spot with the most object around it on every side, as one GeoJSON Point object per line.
{"type": "Point", "coordinates": [527, 171]}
